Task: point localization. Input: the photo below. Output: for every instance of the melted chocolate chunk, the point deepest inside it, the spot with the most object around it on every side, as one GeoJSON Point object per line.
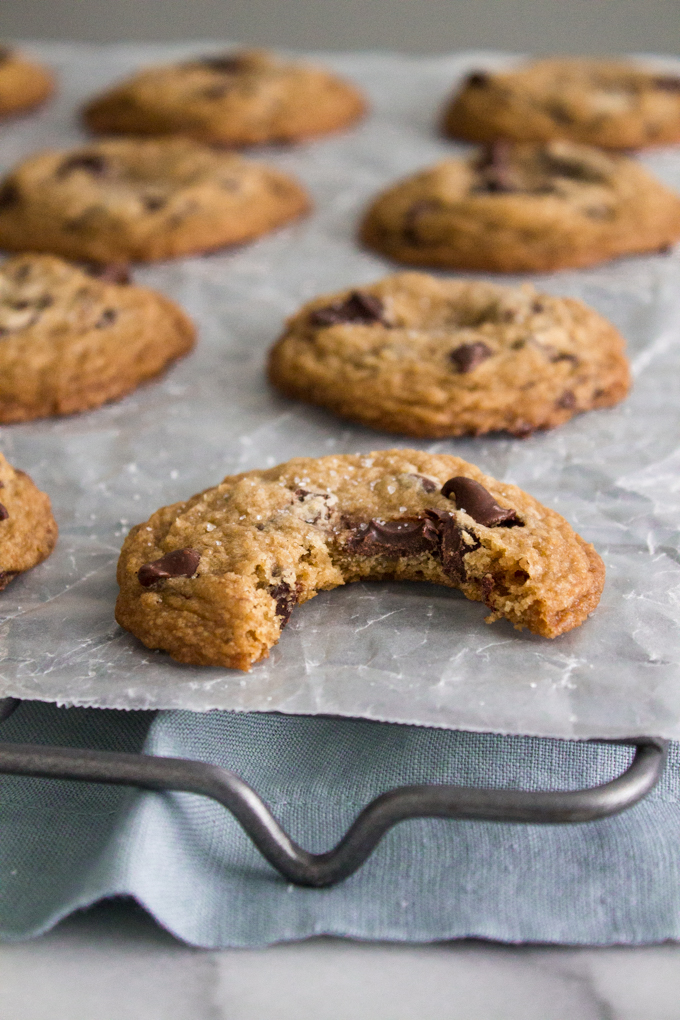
{"type": "Point", "coordinates": [108, 316]}
{"type": "Point", "coordinates": [286, 599]}
{"type": "Point", "coordinates": [567, 400]}
{"type": "Point", "coordinates": [451, 545]}
{"type": "Point", "coordinates": [9, 195]}
{"type": "Point", "coordinates": [4, 512]}
{"type": "Point", "coordinates": [427, 483]}
{"type": "Point", "coordinates": [225, 63]}
{"type": "Point", "coordinates": [361, 308]}
{"type": "Point", "coordinates": [178, 563]}
{"type": "Point", "coordinates": [111, 272]}
{"type": "Point", "coordinates": [559, 114]}
{"type": "Point", "coordinates": [667, 83]}
{"type": "Point", "coordinates": [406, 537]}
{"type": "Point", "coordinates": [563, 356]}
{"type": "Point", "coordinates": [477, 80]}
{"type": "Point", "coordinates": [479, 503]}
{"type": "Point", "coordinates": [468, 356]}
{"type": "Point", "coordinates": [92, 162]}
{"type": "Point", "coordinates": [418, 209]}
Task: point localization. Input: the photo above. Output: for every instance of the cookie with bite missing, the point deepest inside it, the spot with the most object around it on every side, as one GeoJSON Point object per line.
{"type": "Point", "coordinates": [126, 200]}
{"type": "Point", "coordinates": [23, 83]}
{"type": "Point", "coordinates": [243, 98]}
{"type": "Point", "coordinates": [70, 341]}
{"type": "Point", "coordinates": [431, 358]}
{"type": "Point", "coordinates": [524, 208]}
{"type": "Point", "coordinates": [214, 580]}
{"type": "Point", "coordinates": [614, 104]}
{"type": "Point", "coordinates": [28, 531]}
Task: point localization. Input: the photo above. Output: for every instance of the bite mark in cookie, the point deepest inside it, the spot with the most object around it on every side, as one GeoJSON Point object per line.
{"type": "Point", "coordinates": [259, 546]}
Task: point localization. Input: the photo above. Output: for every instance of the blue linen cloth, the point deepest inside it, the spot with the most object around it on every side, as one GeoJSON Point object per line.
{"type": "Point", "coordinates": [64, 845]}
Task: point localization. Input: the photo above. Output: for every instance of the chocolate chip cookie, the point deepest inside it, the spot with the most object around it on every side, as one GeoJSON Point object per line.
{"type": "Point", "coordinates": [434, 358]}
{"type": "Point", "coordinates": [242, 98]}
{"type": "Point", "coordinates": [70, 342]}
{"type": "Point", "coordinates": [524, 208]}
{"type": "Point", "coordinates": [23, 84]}
{"type": "Point", "coordinates": [28, 531]}
{"type": "Point", "coordinates": [126, 200]}
{"type": "Point", "coordinates": [215, 579]}
{"type": "Point", "coordinates": [611, 104]}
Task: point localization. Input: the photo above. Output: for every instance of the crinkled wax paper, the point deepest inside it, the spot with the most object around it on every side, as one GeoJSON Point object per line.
{"type": "Point", "coordinates": [407, 653]}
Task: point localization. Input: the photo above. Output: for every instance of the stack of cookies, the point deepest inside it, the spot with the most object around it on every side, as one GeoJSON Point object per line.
{"type": "Point", "coordinates": [214, 579]}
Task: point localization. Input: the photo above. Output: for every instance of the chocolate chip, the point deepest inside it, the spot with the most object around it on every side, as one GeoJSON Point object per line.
{"type": "Point", "coordinates": [4, 512]}
{"type": "Point", "coordinates": [468, 356]}
{"type": "Point", "coordinates": [573, 169]}
{"type": "Point", "coordinates": [108, 316]}
{"type": "Point", "coordinates": [477, 80]}
{"type": "Point", "coordinates": [564, 357]}
{"type": "Point", "coordinates": [408, 536]}
{"type": "Point", "coordinates": [178, 563]}
{"type": "Point", "coordinates": [286, 599]}
{"type": "Point", "coordinates": [479, 503]}
{"type": "Point", "coordinates": [359, 307]}
{"type": "Point", "coordinates": [427, 483]}
{"type": "Point", "coordinates": [418, 209]}
{"type": "Point", "coordinates": [538, 307]}
{"type": "Point", "coordinates": [451, 546]}
{"type": "Point", "coordinates": [487, 587]}
{"type": "Point", "coordinates": [110, 272]}
{"type": "Point", "coordinates": [5, 54]}
{"type": "Point", "coordinates": [225, 63]}
{"type": "Point", "coordinates": [91, 162]}
{"type": "Point", "coordinates": [667, 83]}
{"type": "Point", "coordinates": [9, 195]}
{"type": "Point", "coordinates": [566, 401]}
{"type": "Point", "coordinates": [154, 202]}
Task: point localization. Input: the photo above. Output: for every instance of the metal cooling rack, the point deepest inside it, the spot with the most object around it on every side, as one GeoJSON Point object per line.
{"type": "Point", "coordinates": [293, 862]}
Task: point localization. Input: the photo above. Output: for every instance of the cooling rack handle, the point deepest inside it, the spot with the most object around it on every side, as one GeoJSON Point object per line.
{"type": "Point", "coordinates": [283, 853]}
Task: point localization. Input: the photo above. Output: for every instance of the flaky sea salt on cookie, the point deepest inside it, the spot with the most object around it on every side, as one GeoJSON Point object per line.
{"type": "Point", "coordinates": [432, 358]}
{"type": "Point", "coordinates": [28, 531]}
{"type": "Point", "coordinates": [142, 200]}
{"type": "Point", "coordinates": [70, 342]}
{"type": "Point", "coordinates": [524, 208]}
{"type": "Point", "coordinates": [243, 98]}
{"type": "Point", "coordinates": [214, 580]}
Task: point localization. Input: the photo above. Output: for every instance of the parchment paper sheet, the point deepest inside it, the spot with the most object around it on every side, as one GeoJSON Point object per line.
{"type": "Point", "coordinates": [404, 653]}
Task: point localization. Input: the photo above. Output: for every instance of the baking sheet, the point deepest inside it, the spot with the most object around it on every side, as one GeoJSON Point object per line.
{"type": "Point", "coordinates": [399, 652]}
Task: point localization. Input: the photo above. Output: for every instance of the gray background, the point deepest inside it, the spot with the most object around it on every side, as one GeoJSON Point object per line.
{"type": "Point", "coordinates": [413, 26]}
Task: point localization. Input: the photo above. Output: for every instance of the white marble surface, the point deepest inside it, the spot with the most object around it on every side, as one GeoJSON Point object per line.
{"type": "Point", "coordinates": [114, 963]}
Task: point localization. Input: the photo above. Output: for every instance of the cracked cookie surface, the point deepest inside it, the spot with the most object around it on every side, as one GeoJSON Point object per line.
{"type": "Point", "coordinates": [241, 98]}
{"type": "Point", "coordinates": [608, 103]}
{"type": "Point", "coordinates": [70, 342]}
{"type": "Point", "coordinates": [28, 531]}
{"type": "Point", "coordinates": [433, 358]}
{"type": "Point", "coordinates": [524, 208]}
{"type": "Point", "coordinates": [126, 200]}
{"type": "Point", "coordinates": [213, 580]}
{"type": "Point", "coordinates": [23, 83]}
